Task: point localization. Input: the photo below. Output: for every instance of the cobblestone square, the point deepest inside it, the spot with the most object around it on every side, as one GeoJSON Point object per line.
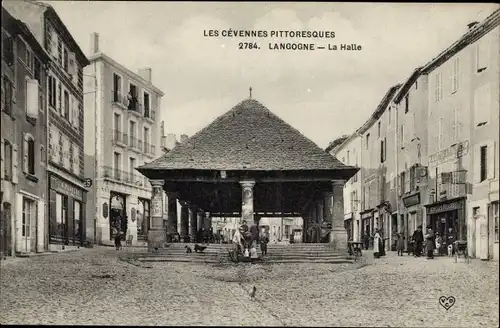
{"type": "Point", "coordinates": [94, 286]}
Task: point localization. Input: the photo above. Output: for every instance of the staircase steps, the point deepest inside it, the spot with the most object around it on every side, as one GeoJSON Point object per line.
{"type": "Point", "coordinates": [277, 253]}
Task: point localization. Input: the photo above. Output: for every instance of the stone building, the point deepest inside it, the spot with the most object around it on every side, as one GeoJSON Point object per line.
{"type": "Point", "coordinates": [443, 122]}
{"type": "Point", "coordinates": [462, 136]}
{"type": "Point", "coordinates": [411, 156]}
{"type": "Point", "coordinates": [375, 209]}
{"type": "Point", "coordinates": [66, 190]}
{"type": "Point", "coordinates": [122, 133]}
{"type": "Point", "coordinates": [24, 228]}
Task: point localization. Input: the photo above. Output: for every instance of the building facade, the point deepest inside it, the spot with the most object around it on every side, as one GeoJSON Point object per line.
{"type": "Point", "coordinates": [23, 141]}
{"type": "Point", "coordinates": [123, 132]}
{"type": "Point", "coordinates": [463, 133]}
{"type": "Point", "coordinates": [442, 127]}
{"type": "Point", "coordinates": [66, 190]}
{"type": "Point", "coordinates": [349, 153]}
{"type": "Point", "coordinates": [483, 70]}
{"type": "Point", "coordinates": [411, 155]}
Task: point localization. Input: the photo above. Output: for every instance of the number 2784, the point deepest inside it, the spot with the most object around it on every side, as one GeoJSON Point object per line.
{"type": "Point", "coordinates": [248, 45]}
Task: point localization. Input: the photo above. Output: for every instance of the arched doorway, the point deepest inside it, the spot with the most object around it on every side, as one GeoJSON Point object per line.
{"type": "Point", "coordinates": [143, 219]}
{"type": "Point", "coordinates": [117, 215]}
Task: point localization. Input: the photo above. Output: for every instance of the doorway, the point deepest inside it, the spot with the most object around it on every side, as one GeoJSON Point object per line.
{"type": "Point", "coordinates": [117, 215]}
{"type": "Point", "coordinates": [27, 242]}
{"type": "Point", "coordinates": [143, 219]}
{"type": "Point", "coordinates": [5, 231]}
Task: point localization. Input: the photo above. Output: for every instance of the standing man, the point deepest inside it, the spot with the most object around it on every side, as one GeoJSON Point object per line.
{"type": "Point", "coordinates": [418, 237]}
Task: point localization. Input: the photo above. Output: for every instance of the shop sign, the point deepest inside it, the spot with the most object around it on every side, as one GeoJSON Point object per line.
{"type": "Point", "coordinates": [65, 188]}
{"type": "Point", "coordinates": [412, 200]}
{"type": "Point", "coordinates": [444, 207]}
{"type": "Point", "coordinates": [105, 210]}
{"type": "Point", "coordinates": [449, 154]}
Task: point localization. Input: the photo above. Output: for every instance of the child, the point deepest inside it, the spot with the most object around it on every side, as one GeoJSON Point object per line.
{"type": "Point", "coordinates": [118, 239]}
{"type": "Point", "coordinates": [400, 245]}
{"type": "Point", "coordinates": [439, 242]}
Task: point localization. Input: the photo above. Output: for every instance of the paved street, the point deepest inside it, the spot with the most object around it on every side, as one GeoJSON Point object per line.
{"type": "Point", "coordinates": [72, 288]}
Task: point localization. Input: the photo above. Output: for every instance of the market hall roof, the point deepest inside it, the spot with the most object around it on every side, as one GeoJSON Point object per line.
{"type": "Point", "coordinates": [249, 137]}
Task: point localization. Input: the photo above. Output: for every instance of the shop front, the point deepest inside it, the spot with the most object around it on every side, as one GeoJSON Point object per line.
{"type": "Point", "coordinates": [348, 225]}
{"type": "Point", "coordinates": [67, 212]}
{"type": "Point", "coordinates": [448, 218]}
{"type": "Point", "coordinates": [366, 224]}
{"type": "Point", "coordinates": [413, 215]}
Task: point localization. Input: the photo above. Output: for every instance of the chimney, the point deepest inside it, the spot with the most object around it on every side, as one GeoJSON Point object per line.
{"type": "Point", "coordinates": [472, 25]}
{"type": "Point", "coordinates": [184, 137]}
{"type": "Point", "coordinates": [170, 141]}
{"type": "Point", "coordinates": [145, 73]}
{"type": "Point", "coordinates": [94, 43]}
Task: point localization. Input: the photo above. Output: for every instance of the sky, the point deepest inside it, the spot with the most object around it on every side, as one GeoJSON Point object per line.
{"type": "Point", "coordinates": [324, 94]}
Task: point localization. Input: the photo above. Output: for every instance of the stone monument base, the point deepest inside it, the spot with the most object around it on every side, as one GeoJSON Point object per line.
{"type": "Point", "coordinates": [156, 239]}
{"type": "Point", "coordinates": [338, 238]}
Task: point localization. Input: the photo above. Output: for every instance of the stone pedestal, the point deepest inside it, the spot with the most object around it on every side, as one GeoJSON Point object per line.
{"type": "Point", "coordinates": [156, 234]}
{"type": "Point", "coordinates": [338, 236]}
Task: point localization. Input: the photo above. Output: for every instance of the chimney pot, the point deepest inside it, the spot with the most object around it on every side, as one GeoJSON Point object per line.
{"type": "Point", "coordinates": [184, 137]}
{"type": "Point", "coordinates": [94, 43]}
{"type": "Point", "coordinates": [170, 141]}
{"type": "Point", "coordinates": [145, 73]}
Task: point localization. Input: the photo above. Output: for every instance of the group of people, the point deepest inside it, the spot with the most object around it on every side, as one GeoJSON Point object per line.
{"type": "Point", "coordinates": [245, 242]}
{"type": "Point", "coordinates": [430, 242]}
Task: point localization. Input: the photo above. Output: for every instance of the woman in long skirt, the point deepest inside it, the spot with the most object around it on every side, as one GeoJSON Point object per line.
{"type": "Point", "coordinates": [376, 244]}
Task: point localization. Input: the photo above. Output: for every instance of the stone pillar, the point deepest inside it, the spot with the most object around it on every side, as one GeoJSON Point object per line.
{"type": "Point", "coordinates": [319, 211]}
{"type": "Point", "coordinates": [192, 223]}
{"type": "Point", "coordinates": [184, 226]}
{"type": "Point", "coordinates": [199, 219]}
{"type": "Point", "coordinates": [247, 213]}
{"type": "Point", "coordinates": [338, 236]}
{"type": "Point", "coordinates": [156, 235]}
{"type": "Point", "coordinates": [208, 221]}
{"type": "Point", "coordinates": [172, 214]}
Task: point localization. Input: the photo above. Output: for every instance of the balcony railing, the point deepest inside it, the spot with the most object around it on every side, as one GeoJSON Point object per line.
{"type": "Point", "coordinates": [452, 184]}
{"type": "Point", "coordinates": [123, 176]}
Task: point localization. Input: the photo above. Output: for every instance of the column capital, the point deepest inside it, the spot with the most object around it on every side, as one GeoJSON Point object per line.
{"type": "Point", "coordinates": [338, 182]}
{"type": "Point", "coordinates": [157, 182]}
{"type": "Point", "coordinates": [247, 183]}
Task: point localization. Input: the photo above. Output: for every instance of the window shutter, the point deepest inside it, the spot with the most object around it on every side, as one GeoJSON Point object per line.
{"type": "Point", "coordinates": [477, 163]}
{"type": "Point", "coordinates": [14, 164]}
{"type": "Point", "coordinates": [71, 63]}
{"type": "Point", "coordinates": [25, 153]}
{"type": "Point", "coordinates": [76, 113]}
{"type": "Point", "coordinates": [53, 44]}
{"type": "Point", "coordinates": [490, 158]}
{"type": "Point", "coordinates": [71, 109]}
{"type": "Point", "coordinates": [32, 98]}
{"type": "Point", "coordinates": [2, 154]}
